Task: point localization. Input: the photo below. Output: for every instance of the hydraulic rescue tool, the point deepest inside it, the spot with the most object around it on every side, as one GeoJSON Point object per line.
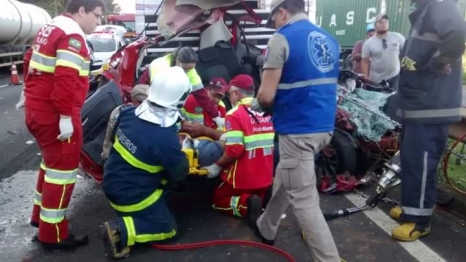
{"type": "Point", "coordinates": [389, 179]}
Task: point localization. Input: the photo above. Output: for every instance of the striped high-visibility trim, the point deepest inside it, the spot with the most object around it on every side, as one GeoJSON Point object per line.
{"type": "Point", "coordinates": [148, 201]}
{"type": "Point", "coordinates": [37, 198]}
{"type": "Point", "coordinates": [250, 142]}
{"type": "Point", "coordinates": [132, 160]}
{"type": "Point", "coordinates": [52, 216]}
{"type": "Point", "coordinates": [64, 58]}
{"type": "Point", "coordinates": [60, 177]}
{"type": "Point", "coordinates": [133, 237]}
{"type": "Point", "coordinates": [192, 117]}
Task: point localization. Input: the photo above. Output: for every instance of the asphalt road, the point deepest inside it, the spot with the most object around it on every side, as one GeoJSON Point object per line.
{"type": "Point", "coordinates": [361, 237]}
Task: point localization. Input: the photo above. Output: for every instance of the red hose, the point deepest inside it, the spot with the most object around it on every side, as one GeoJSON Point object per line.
{"type": "Point", "coordinates": [282, 253]}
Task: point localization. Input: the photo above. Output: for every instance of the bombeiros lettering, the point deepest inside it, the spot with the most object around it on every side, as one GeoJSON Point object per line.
{"type": "Point", "coordinates": [126, 142]}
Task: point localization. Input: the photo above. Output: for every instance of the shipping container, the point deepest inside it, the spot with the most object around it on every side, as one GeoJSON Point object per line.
{"type": "Point", "coordinates": [347, 19]}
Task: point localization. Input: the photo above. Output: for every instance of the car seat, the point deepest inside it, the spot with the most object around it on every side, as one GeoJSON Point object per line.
{"type": "Point", "coordinates": [219, 60]}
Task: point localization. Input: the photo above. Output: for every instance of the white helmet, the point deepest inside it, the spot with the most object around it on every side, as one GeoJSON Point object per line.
{"type": "Point", "coordinates": [167, 94]}
{"type": "Point", "coordinates": [170, 88]}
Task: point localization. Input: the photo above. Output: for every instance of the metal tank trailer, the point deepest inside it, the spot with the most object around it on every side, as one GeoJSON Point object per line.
{"type": "Point", "coordinates": [19, 24]}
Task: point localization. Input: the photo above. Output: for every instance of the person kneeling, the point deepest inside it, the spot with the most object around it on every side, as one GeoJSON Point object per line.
{"type": "Point", "coordinates": [246, 166]}
{"type": "Point", "coordinates": [145, 159]}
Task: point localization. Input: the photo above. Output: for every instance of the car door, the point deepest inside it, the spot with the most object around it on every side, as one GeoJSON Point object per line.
{"type": "Point", "coordinates": [95, 114]}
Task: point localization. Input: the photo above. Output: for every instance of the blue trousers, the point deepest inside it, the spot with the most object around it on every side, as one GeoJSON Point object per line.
{"type": "Point", "coordinates": [153, 224]}
{"type": "Point", "coordinates": [422, 147]}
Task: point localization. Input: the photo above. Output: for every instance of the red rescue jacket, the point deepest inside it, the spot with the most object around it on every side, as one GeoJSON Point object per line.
{"type": "Point", "coordinates": [249, 141]}
{"type": "Point", "coordinates": [58, 71]}
{"type": "Point", "coordinates": [194, 112]}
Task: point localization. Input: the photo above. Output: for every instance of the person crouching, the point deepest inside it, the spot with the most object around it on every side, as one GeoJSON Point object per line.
{"type": "Point", "coordinates": [246, 167]}
{"type": "Point", "coordinates": [146, 156]}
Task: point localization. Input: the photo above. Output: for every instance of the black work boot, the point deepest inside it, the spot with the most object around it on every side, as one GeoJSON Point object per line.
{"type": "Point", "coordinates": [71, 242]}
{"type": "Point", "coordinates": [258, 233]}
{"type": "Point", "coordinates": [254, 204]}
{"type": "Point", "coordinates": [112, 241]}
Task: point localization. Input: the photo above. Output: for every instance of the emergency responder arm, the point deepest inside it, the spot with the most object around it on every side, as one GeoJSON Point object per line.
{"type": "Point", "coordinates": [108, 135]}
{"type": "Point", "coordinates": [275, 58]}
{"type": "Point", "coordinates": [365, 62]}
{"type": "Point", "coordinates": [234, 146]}
{"type": "Point", "coordinates": [200, 93]}
{"type": "Point", "coordinates": [357, 51]}
{"type": "Point", "coordinates": [451, 31]}
{"type": "Point", "coordinates": [173, 160]}
{"type": "Point", "coordinates": [70, 67]}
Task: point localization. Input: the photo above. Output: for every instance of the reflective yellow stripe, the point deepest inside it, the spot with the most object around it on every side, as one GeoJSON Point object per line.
{"type": "Point", "coordinates": [141, 205]}
{"type": "Point", "coordinates": [60, 177]}
{"type": "Point", "coordinates": [37, 198]}
{"type": "Point", "coordinates": [42, 62]}
{"type": "Point", "coordinates": [234, 205]}
{"type": "Point", "coordinates": [235, 137]}
{"type": "Point", "coordinates": [128, 157]}
{"type": "Point", "coordinates": [69, 59]}
{"type": "Point", "coordinates": [259, 141]}
{"type": "Point", "coordinates": [196, 118]}
{"type": "Point", "coordinates": [195, 79]}
{"type": "Point", "coordinates": [52, 216]}
{"type": "Point", "coordinates": [144, 238]}
{"type": "Point", "coordinates": [130, 230]}
{"type": "Point", "coordinates": [133, 237]}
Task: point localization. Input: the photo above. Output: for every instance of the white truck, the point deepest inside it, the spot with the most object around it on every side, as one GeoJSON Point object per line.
{"type": "Point", "coordinates": [19, 23]}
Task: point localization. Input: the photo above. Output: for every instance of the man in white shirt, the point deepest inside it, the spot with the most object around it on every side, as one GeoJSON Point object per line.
{"type": "Point", "coordinates": [380, 53]}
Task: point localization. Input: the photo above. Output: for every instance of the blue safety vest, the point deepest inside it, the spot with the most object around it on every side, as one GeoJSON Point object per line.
{"type": "Point", "coordinates": [134, 172]}
{"type": "Point", "coordinates": [306, 99]}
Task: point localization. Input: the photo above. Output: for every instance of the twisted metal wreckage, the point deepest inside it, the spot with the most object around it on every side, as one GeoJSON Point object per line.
{"type": "Point", "coordinates": [364, 109]}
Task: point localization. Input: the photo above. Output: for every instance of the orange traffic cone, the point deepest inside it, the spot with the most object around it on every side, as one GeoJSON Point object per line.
{"type": "Point", "coordinates": [14, 78]}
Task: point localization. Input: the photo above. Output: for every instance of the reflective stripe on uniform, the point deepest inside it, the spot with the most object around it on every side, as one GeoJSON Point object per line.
{"type": "Point", "coordinates": [418, 211]}
{"type": "Point", "coordinates": [52, 216]}
{"type": "Point", "coordinates": [72, 60]}
{"type": "Point", "coordinates": [64, 58]}
{"type": "Point", "coordinates": [142, 204]}
{"type": "Point", "coordinates": [42, 62]}
{"type": "Point", "coordinates": [250, 142]}
{"type": "Point", "coordinates": [192, 117]}
{"type": "Point", "coordinates": [60, 177]}
{"type": "Point", "coordinates": [37, 198]}
{"type": "Point", "coordinates": [234, 205]}
{"type": "Point", "coordinates": [195, 80]}
{"type": "Point", "coordinates": [259, 141]}
{"type": "Point", "coordinates": [306, 83]}
{"type": "Point", "coordinates": [235, 137]}
{"type": "Point", "coordinates": [430, 113]}
{"type": "Point", "coordinates": [133, 237]}
{"type": "Point", "coordinates": [130, 159]}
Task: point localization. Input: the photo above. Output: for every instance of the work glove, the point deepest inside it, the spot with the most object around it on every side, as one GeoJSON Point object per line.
{"type": "Point", "coordinates": [21, 101]}
{"type": "Point", "coordinates": [258, 108]}
{"type": "Point", "coordinates": [214, 170]}
{"type": "Point", "coordinates": [220, 122]}
{"type": "Point", "coordinates": [66, 128]}
{"type": "Point", "coordinates": [223, 137]}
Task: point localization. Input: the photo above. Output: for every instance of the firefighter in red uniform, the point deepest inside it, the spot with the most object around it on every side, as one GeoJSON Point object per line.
{"type": "Point", "coordinates": [193, 112]}
{"type": "Point", "coordinates": [246, 167]}
{"type": "Point", "coordinates": [56, 86]}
